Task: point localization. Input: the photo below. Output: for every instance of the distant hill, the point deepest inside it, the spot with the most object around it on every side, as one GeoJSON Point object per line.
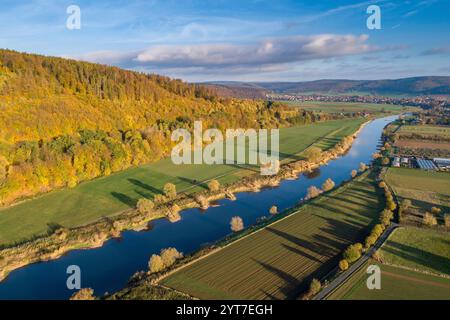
{"type": "Point", "coordinates": [237, 90]}
{"type": "Point", "coordinates": [416, 86]}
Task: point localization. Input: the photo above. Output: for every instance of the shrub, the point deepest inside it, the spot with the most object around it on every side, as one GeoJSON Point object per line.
{"type": "Point", "coordinates": [213, 185]}
{"type": "Point", "coordinates": [382, 184]}
{"type": "Point", "coordinates": [83, 294]}
{"type": "Point", "coordinates": [386, 217]}
{"type": "Point", "coordinates": [159, 198]}
{"type": "Point", "coordinates": [173, 213]}
{"type": "Point", "coordinates": [313, 154]}
{"type": "Point", "coordinates": [385, 161]}
{"type": "Point", "coordinates": [328, 185]}
{"type": "Point", "coordinates": [429, 219]}
{"type": "Point", "coordinates": [314, 287]}
{"type": "Point", "coordinates": [169, 256]}
{"type": "Point", "coordinates": [376, 155]}
{"type": "Point", "coordinates": [202, 200]}
{"type": "Point", "coordinates": [390, 204]}
{"type": "Point", "coordinates": [362, 167]}
{"type": "Point", "coordinates": [406, 204]}
{"type": "Point", "coordinates": [170, 190]}
{"type": "Point", "coordinates": [377, 230]}
{"type": "Point", "coordinates": [273, 210]}
{"type": "Point", "coordinates": [377, 256]}
{"type": "Point", "coordinates": [353, 252]}
{"type": "Point", "coordinates": [144, 206]}
{"type": "Point", "coordinates": [370, 240]}
{"type": "Point", "coordinates": [447, 220]}
{"type": "Point", "coordinates": [388, 195]}
{"type": "Point", "coordinates": [313, 192]}
{"type": "Point", "coordinates": [236, 224]}
{"type": "Point", "coordinates": [343, 265]}
{"type": "Point", "coordinates": [155, 264]}
{"type": "Point", "coordinates": [435, 210]}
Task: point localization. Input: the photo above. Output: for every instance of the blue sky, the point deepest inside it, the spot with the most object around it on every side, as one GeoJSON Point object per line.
{"type": "Point", "coordinates": [257, 40]}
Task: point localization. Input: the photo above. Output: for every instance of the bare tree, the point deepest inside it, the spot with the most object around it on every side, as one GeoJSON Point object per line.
{"type": "Point", "coordinates": [236, 224]}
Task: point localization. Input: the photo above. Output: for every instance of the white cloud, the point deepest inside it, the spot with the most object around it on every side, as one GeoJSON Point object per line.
{"type": "Point", "coordinates": [267, 53]}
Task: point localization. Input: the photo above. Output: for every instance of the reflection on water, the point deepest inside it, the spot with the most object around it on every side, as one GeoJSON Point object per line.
{"type": "Point", "coordinates": [312, 174]}
{"type": "Point", "coordinates": [108, 268]}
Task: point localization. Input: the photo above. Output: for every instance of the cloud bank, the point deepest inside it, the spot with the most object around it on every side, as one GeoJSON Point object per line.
{"type": "Point", "coordinates": [269, 54]}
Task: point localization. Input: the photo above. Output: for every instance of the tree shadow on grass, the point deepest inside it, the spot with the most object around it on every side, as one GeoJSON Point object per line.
{"type": "Point", "coordinates": [300, 252]}
{"type": "Point", "coordinates": [249, 167]}
{"type": "Point", "coordinates": [289, 282]}
{"type": "Point", "coordinates": [418, 256]}
{"type": "Point", "coordinates": [341, 233]}
{"type": "Point", "coordinates": [292, 287]}
{"type": "Point", "coordinates": [193, 182]}
{"type": "Point", "coordinates": [311, 246]}
{"type": "Point", "coordinates": [124, 199]}
{"type": "Point", "coordinates": [145, 186]}
{"type": "Point", "coordinates": [147, 195]}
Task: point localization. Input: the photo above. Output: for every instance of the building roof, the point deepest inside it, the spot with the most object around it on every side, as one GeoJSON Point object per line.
{"type": "Point", "coordinates": [426, 164]}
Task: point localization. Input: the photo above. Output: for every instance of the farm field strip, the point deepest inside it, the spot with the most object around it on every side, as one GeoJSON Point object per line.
{"type": "Point", "coordinates": [337, 107]}
{"type": "Point", "coordinates": [422, 144]}
{"type": "Point", "coordinates": [426, 130]}
{"type": "Point", "coordinates": [275, 261]}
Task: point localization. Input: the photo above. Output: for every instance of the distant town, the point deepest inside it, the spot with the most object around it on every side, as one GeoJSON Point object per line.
{"type": "Point", "coordinates": [421, 101]}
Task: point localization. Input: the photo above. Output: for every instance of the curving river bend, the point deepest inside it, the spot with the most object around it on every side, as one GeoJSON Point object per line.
{"type": "Point", "coordinates": [108, 268]}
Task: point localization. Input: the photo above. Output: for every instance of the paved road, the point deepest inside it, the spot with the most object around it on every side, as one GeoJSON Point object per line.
{"type": "Point", "coordinates": [355, 267]}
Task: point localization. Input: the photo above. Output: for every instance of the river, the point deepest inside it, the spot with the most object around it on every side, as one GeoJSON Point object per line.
{"type": "Point", "coordinates": [108, 268]}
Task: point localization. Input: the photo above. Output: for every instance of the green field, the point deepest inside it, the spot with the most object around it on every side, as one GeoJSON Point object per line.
{"type": "Point", "coordinates": [278, 261]}
{"type": "Point", "coordinates": [425, 189]}
{"type": "Point", "coordinates": [418, 249]}
{"type": "Point", "coordinates": [345, 107]}
{"type": "Point", "coordinates": [426, 130]}
{"type": "Point", "coordinates": [396, 284]}
{"type": "Point", "coordinates": [109, 195]}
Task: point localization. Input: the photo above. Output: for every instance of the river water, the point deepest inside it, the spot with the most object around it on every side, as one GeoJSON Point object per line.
{"type": "Point", "coordinates": [108, 268]}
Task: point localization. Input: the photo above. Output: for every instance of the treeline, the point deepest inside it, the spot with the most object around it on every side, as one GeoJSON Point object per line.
{"type": "Point", "coordinates": [31, 167]}
{"type": "Point", "coordinates": [64, 121]}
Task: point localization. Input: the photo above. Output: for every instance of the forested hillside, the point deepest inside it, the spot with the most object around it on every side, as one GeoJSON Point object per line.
{"type": "Point", "coordinates": [64, 121]}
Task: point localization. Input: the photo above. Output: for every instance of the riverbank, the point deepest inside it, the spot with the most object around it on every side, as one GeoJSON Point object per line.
{"type": "Point", "coordinates": [109, 196]}
{"type": "Point", "coordinates": [254, 251]}
{"type": "Point", "coordinates": [95, 234]}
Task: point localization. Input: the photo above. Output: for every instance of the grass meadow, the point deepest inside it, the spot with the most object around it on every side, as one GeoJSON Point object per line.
{"type": "Point", "coordinates": [425, 189]}
{"type": "Point", "coordinates": [110, 195]}
{"type": "Point", "coordinates": [419, 249]}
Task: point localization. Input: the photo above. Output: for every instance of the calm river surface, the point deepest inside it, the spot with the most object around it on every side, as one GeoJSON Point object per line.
{"type": "Point", "coordinates": [107, 269]}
